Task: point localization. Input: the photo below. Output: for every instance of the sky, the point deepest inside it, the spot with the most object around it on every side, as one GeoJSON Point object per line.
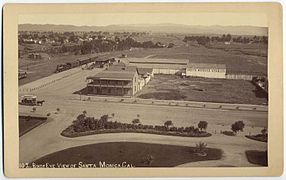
{"type": "Point", "coordinates": [103, 19]}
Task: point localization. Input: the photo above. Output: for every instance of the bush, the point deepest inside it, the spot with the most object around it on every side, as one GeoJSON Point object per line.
{"type": "Point", "coordinates": [135, 121]}
{"type": "Point", "coordinates": [89, 125]}
{"type": "Point", "coordinates": [228, 133]}
{"type": "Point", "coordinates": [48, 114]}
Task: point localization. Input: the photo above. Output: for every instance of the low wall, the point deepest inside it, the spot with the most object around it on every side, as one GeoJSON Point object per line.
{"type": "Point", "coordinates": [247, 77]}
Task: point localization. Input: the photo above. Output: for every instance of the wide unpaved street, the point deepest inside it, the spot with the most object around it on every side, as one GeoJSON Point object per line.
{"type": "Point", "coordinates": [46, 138]}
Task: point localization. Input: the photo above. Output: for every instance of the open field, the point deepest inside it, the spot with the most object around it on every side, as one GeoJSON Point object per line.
{"type": "Point", "coordinates": [255, 49]}
{"type": "Point", "coordinates": [235, 61]}
{"type": "Point", "coordinates": [135, 154]}
{"type": "Point", "coordinates": [171, 87]}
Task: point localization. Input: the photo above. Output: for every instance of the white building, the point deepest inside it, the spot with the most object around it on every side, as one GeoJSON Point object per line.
{"type": "Point", "coordinates": [206, 70]}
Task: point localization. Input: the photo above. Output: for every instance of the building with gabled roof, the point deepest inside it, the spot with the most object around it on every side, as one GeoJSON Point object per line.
{"type": "Point", "coordinates": [206, 70]}
{"type": "Point", "coordinates": [117, 80]}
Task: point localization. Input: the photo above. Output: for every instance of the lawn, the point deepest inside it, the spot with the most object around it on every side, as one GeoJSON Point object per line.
{"type": "Point", "coordinates": [26, 123]}
{"type": "Point", "coordinates": [257, 157]}
{"type": "Point", "coordinates": [132, 153]}
{"type": "Point", "coordinates": [172, 87]}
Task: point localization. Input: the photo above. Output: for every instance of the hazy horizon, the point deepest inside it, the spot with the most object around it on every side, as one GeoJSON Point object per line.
{"type": "Point", "coordinates": [141, 25]}
{"type": "Point", "coordinates": [107, 19]}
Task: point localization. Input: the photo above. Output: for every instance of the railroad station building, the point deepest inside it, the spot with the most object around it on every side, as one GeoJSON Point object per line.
{"type": "Point", "coordinates": [206, 70]}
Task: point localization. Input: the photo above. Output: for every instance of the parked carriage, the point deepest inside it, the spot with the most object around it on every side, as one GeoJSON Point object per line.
{"type": "Point", "coordinates": [22, 75]}
{"type": "Point", "coordinates": [31, 100]}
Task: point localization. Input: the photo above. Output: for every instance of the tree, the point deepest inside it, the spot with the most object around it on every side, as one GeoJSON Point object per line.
{"type": "Point", "coordinates": [237, 126]}
{"type": "Point", "coordinates": [84, 112]}
{"type": "Point", "coordinates": [202, 125]}
{"type": "Point", "coordinates": [168, 123]}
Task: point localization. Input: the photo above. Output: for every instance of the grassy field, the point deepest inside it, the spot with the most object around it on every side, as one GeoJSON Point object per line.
{"type": "Point", "coordinates": [26, 125]}
{"type": "Point", "coordinates": [132, 153]}
{"type": "Point", "coordinates": [246, 49]}
{"type": "Point", "coordinates": [235, 61]}
{"type": "Point", "coordinates": [171, 87]}
{"type": "Point", "coordinates": [257, 157]}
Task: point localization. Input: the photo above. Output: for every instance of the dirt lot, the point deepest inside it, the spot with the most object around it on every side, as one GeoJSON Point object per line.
{"type": "Point", "coordinates": [171, 87]}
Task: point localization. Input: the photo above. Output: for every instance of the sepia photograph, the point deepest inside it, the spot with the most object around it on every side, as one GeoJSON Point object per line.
{"type": "Point", "coordinates": [146, 89]}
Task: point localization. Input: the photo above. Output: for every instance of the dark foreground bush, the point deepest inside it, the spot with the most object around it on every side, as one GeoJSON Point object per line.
{"type": "Point", "coordinates": [257, 157]}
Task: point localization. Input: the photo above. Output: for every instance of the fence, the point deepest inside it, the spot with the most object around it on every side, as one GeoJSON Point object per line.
{"type": "Point", "coordinates": [38, 84]}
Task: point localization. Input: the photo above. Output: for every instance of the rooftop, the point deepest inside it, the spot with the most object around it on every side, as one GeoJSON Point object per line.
{"type": "Point", "coordinates": [157, 61]}
{"type": "Point", "coordinates": [144, 71]}
{"type": "Point", "coordinates": [113, 75]}
{"type": "Point", "coordinates": [122, 67]}
{"type": "Point", "coordinates": [206, 66]}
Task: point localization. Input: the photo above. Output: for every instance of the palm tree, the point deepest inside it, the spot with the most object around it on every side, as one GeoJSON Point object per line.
{"type": "Point", "coordinates": [201, 149]}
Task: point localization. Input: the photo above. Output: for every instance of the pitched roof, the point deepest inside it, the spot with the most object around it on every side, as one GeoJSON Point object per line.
{"type": "Point", "coordinates": [113, 75]}
{"type": "Point", "coordinates": [143, 71]}
{"type": "Point", "coordinates": [206, 66]}
{"type": "Point", "coordinates": [157, 61]}
{"type": "Point", "coordinates": [122, 67]}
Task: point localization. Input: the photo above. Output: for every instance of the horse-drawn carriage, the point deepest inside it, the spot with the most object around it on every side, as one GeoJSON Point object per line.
{"type": "Point", "coordinates": [31, 100]}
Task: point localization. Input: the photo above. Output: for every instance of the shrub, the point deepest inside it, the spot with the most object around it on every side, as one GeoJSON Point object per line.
{"type": "Point", "coordinates": [173, 129]}
{"type": "Point", "coordinates": [135, 121]}
{"type": "Point", "coordinates": [228, 133]}
{"type": "Point", "coordinates": [48, 114]}
{"type": "Point", "coordinates": [264, 131]}
{"type": "Point", "coordinates": [58, 109]}
{"type": "Point", "coordinates": [34, 109]}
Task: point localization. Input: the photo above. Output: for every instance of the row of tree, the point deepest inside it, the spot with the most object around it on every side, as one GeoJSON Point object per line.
{"type": "Point", "coordinates": [100, 45]}
{"type": "Point", "coordinates": [203, 40]}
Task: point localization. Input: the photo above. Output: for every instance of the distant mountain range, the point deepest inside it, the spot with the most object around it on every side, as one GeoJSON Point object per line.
{"type": "Point", "coordinates": [155, 28]}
